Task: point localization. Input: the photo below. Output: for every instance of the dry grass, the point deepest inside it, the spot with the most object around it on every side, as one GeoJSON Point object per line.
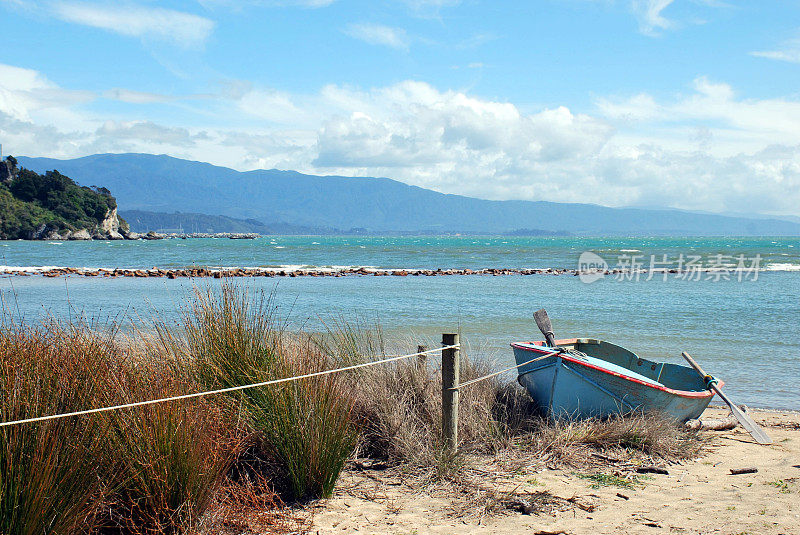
{"type": "Point", "coordinates": [399, 411]}
{"type": "Point", "coordinates": [247, 505]}
{"type": "Point", "coordinates": [152, 469]}
{"type": "Point", "coordinates": [572, 442]}
{"type": "Point", "coordinates": [501, 437]}
{"type": "Point", "coordinates": [399, 414]}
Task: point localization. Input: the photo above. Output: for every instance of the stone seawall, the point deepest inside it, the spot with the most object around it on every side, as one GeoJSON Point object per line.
{"type": "Point", "coordinates": [217, 273]}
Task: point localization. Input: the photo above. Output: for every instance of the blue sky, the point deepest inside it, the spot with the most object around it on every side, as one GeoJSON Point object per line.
{"type": "Point", "coordinates": [686, 103]}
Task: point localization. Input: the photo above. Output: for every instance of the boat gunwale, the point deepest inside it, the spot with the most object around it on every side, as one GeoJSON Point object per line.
{"type": "Point", "coordinates": [568, 357]}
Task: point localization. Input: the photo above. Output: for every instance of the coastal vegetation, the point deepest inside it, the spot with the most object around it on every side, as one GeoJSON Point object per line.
{"type": "Point", "coordinates": [34, 206]}
{"type": "Point", "coordinates": [231, 461]}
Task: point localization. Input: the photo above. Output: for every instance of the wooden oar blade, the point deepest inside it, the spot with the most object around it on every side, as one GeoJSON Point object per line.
{"type": "Point", "coordinates": [750, 426]}
{"type": "Point", "coordinates": [543, 322]}
{"type": "Point", "coordinates": [753, 428]}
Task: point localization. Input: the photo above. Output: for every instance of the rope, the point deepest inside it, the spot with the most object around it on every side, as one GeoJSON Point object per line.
{"type": "Point", "coordinates": [710, 381]}
{"type": "Point", "coordinates": [472, 381]}
{"type": "Point", "coordinates": [223, 390]}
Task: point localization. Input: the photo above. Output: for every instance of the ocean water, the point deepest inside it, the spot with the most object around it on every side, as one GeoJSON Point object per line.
{"type": "Point", "coordinates": [744, 331]}
{"type": "Point", "coordinates": [392, 252]}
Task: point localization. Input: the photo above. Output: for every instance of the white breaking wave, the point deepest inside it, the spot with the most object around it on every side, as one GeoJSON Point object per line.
{"type": "Point", "coordinates": [781, 266]}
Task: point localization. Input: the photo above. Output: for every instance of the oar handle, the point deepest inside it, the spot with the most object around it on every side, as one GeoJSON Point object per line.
{"type": "Point", "coordinates": [693, 364]}
{"type": "Point", "coordinates": [710, 381]}
{"type": "Point", "coordinates": [551, 339]}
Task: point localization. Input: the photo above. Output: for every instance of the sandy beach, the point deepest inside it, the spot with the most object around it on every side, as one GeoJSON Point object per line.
{"type": "Point", "coordinates": [695, 497]}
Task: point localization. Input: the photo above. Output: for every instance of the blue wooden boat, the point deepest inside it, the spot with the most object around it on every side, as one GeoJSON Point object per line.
{"type": "Point", "coordinates": [583, 378]}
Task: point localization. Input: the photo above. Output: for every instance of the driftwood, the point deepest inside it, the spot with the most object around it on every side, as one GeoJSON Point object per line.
{"type": "Point", "coordinates": [606, 457]}
{"type": "Point", "coordinates": [370, 465]}
{"type": "Point", "coordinates": [738, 471]}
{"type": "Point", "coordinates": [652, 470]}
{"type": "Point", "coordinates": [715, 424]}
{"type": "Point", "coordinates": [586, 507]}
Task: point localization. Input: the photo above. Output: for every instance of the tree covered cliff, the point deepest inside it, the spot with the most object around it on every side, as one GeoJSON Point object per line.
{"type": "Point", "coordinates": [53, 206]}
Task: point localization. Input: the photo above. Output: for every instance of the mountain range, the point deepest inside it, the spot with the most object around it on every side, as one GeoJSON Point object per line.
{"type": "Point", "coordinates": [164, 185]}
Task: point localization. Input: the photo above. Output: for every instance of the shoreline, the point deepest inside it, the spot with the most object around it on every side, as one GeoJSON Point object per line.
{"type": "Point", "coordinates": [343, 271]}
{"type": "Point", "coordinates": [694, 496]}
{"type": "Point", "coordinates": [717, 404]}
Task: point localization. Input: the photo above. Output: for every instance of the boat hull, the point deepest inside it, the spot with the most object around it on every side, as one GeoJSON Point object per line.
{"type": "Point", "coordinates": [603, 379]}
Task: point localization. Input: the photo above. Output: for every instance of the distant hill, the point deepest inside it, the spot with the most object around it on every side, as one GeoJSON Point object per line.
{"type": "Point", "coordinates": [52, 206]}
{"type": "Point", "coordinates": [165, 184]}
{"type": "Point", "coordinates": [144, 221]}
{"type": "Point", "coordinates": [141, 221]}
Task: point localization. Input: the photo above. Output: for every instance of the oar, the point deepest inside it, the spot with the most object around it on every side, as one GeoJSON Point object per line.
{"type": "Point", "coordinates": [753, 428]}
{"type": "Point", "coordinates": [543, 322]}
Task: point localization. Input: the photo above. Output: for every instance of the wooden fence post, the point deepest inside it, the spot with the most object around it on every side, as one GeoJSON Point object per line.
{"type": "Point", "coordinates": [450, 373]}
{"type": "Point", "coordinates": [422, 360]}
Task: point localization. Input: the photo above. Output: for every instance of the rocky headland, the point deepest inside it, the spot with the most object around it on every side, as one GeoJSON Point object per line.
{"type": "Point", "coordinates": [52, 206]}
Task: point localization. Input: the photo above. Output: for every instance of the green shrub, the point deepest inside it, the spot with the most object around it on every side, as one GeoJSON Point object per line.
{"type": "Point", "coordinates": [30, 202]}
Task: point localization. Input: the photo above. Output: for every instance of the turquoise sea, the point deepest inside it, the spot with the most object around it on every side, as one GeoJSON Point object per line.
{"type": "Point", "coordinates": [744, 331]}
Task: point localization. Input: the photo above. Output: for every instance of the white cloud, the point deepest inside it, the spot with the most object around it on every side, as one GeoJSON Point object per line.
{"type": "Point", "coordinates": [789, 51]}
{"type": "Point", "coordinates": [24, 136]}
{"type": "Point", "coordinates": [236, 4]}
{"type": "Point", "coordinates": [638, 108]}
{"type": "Point", "coordinates": [738, 124]}
{"type": "Point", "coordinates": [273, 106]}
{"type": "Point", "coordinates": [26, 94]}
{"type": "Point", "coordinates": [301, 3]}
{"type": "Point", "coordinates": [135, 97]}
{"type": "Point", "coordinates": [377, 34]}
{"type": "Point", "coordinates": [147, 132]}
{"type": "Point", "coordinates": [429, 8]}
{"type": "Point", "coordinates": [707, 149]}
{"type": "Point", "coordinates": [453, 142]}
{"type": "Point", "coordinates": [426, 4]}
{"type": "Point", "coordinates": [184, 29]}
{"type": "Point", "coordinates": [648, 13]}
{"type": "Point", "coordinates": [792, 56]}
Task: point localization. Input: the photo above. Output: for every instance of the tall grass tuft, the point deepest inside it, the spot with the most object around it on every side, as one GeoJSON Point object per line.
{"type": "Point", "coordinates": [48, 478]}
{"type": "Point", "coordinates": [150, 469]}
{"type": "Point", "coordinates": [168, 459]}
{"type": "Point", "coordinates": [234, 339]}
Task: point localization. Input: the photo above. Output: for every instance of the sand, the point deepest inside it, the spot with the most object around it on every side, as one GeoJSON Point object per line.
{"type": "Point", "coordinates": [698, 496]}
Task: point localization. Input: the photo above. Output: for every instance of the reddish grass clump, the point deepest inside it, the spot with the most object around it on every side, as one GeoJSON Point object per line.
{"type": "Point", "coordinates": [168, 459]}
{"type": "Point", "coordinates": [48, 477]}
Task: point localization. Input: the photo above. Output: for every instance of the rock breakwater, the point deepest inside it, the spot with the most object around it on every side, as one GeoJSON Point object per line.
{"type": "Point", "coordinates": [217, 272]}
